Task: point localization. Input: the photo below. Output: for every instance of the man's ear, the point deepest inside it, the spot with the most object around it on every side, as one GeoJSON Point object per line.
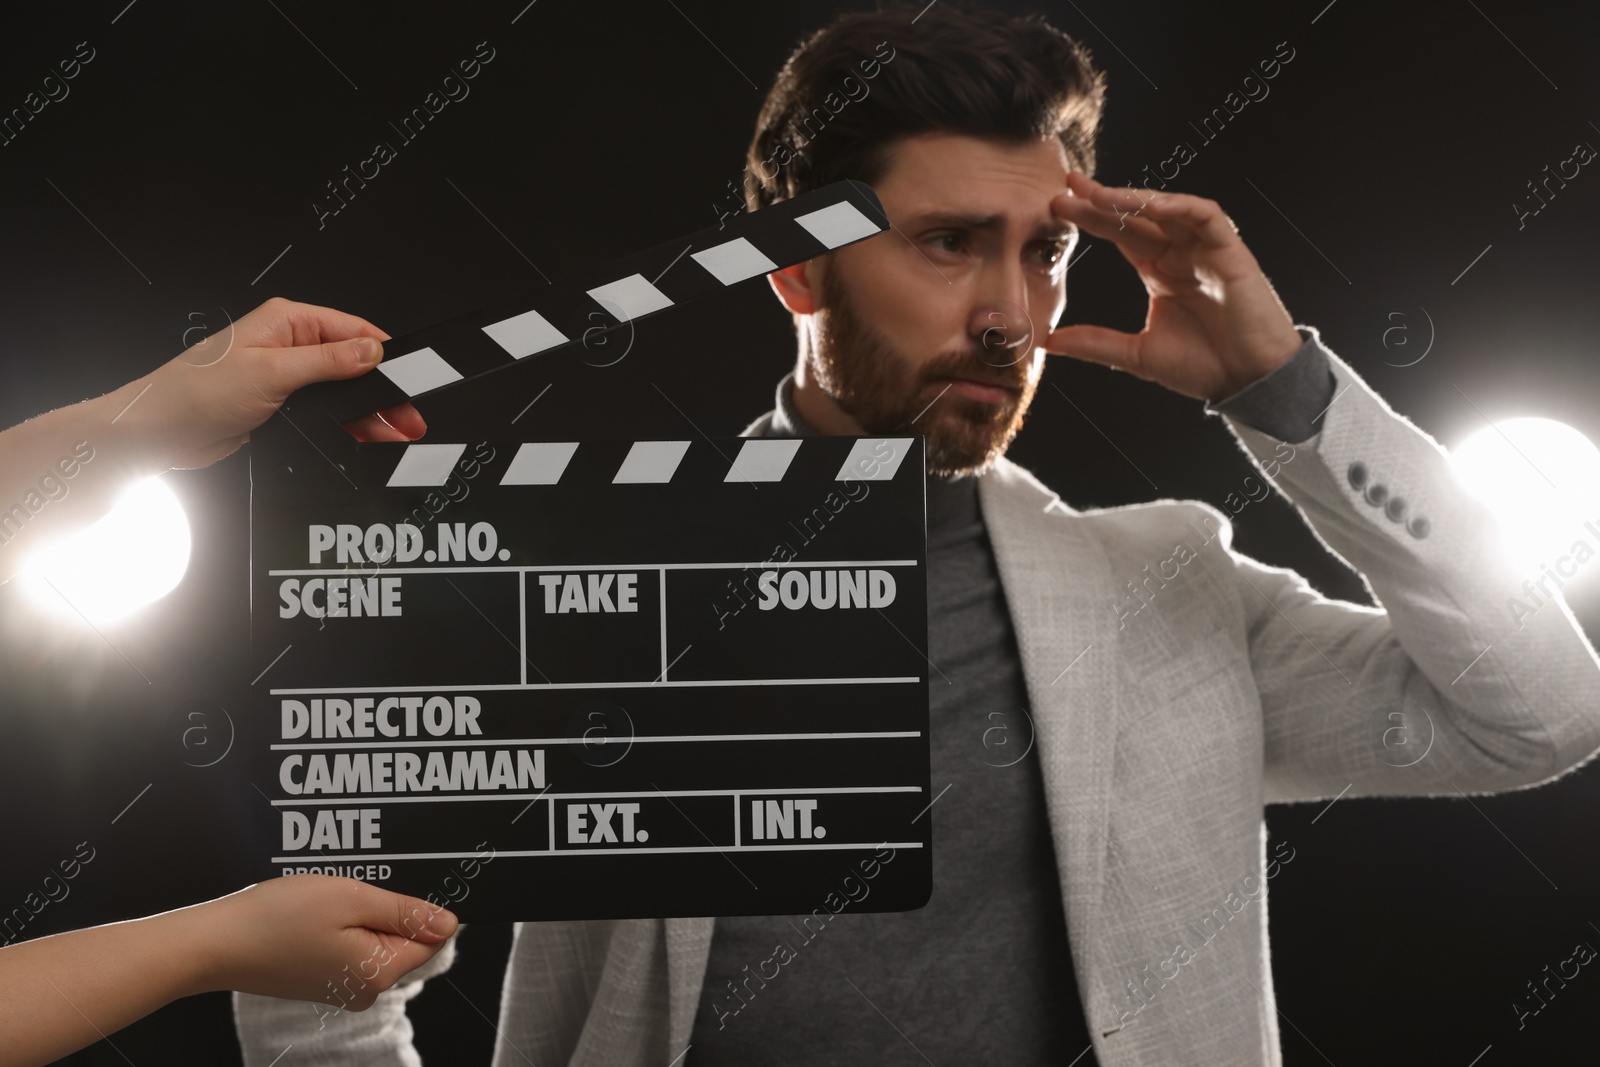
{"type": "Point", "coordinates": [796, 286]}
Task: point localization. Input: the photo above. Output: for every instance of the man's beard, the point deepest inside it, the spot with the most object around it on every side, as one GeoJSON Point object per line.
{"type": "Point", "coordinates": [886, 393]}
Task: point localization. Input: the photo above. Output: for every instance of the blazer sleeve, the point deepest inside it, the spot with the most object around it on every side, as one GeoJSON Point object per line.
{"type": "Point", "coordinates": [1448, 686]}
{"type": "Point", "coordinates": [323, 1037]}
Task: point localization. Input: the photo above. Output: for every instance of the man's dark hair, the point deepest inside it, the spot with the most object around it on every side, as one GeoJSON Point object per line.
{"type": "Point", "coordinates": [852, 89]}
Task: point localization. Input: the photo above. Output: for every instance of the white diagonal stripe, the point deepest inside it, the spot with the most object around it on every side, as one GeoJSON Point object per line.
{"type": "Point", "coordinates": [651, 461]}
{"type": "Point", "coordinates": [762, 461]}
{"type": "Point", "coordinates": [734, 261]}
{"type": "Point", "coordinates": [525, 334]}
{"type": "Point", "coordinates": [874, 459]}
{"type": "Point", "coordinates": [837, 225]}
{"type": "Point", "coordinates": [419, 371]}
{"type": "Point", "coordinates": [539, 463]}
{"type": "Point", "coordinates": [426, 464]}
{"type": "Point", "coordinates": [628, 298]}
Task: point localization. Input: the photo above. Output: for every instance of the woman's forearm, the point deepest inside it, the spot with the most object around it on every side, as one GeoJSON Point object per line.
{"type": "Point", "coordinates": [64, 992]}
{"type": "Point", "coordinates": [306, 937]}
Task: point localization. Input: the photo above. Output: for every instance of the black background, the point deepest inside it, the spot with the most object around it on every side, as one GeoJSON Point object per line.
{"type": "Point", "coordinates": [1386, 158]}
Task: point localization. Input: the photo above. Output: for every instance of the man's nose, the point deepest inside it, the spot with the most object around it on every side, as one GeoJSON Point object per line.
{"type": "Point", "coordinates": [1000, 322]}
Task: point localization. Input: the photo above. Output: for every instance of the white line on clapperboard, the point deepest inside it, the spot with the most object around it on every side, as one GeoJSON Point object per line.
{"type": "Point", "coordinates": [522, 604]}
{"type": "Point", "coordinates": [313, 690]}
{"type": "Point", "coordinates": [364, 857]}
{"type": "Point", "coordinates": [622, 795]}
{"type": "Point", "coordinates": [566, 567]}
{"type": "Point", "coordinates": [479, 742]}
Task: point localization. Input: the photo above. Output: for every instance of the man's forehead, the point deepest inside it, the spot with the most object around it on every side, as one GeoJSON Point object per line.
{"type": "Point", "coordinates": [943, 213]}
{"type": "Point", "coordinates": [973, 183]}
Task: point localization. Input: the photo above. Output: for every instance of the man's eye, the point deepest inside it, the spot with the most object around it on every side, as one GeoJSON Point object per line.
{"type": "Point", "coordinates": [947, 242]}
{"type": "Point", "coordinates": [1050, 254]}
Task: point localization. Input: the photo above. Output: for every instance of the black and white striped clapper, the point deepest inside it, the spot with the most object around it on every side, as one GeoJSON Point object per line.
{"type": "Point", "coordinates": [576, 312]}
{"type": "Point", "coordinates": [601, 678]}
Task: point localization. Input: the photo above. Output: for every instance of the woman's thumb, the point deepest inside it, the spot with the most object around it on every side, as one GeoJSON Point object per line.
{"type": "Point", "coordinates": [355, 356]}
{"type": "Point", "coordinates": [408, 916]}
{"type": "Point", "coordinates": [329, 361]}
{"type": "Point", "coordinates": [420, 921]}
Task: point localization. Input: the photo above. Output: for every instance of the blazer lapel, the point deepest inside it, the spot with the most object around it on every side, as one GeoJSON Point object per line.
{"type": "Point", "coordinates": [1059, 589]}
{"type": "Point", "coordinates": [688, 948]}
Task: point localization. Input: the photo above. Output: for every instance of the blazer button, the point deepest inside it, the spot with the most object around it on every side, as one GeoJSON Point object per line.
{"type": "Point", "coordinates": [1396, 508]}
{"type": "Point", "coordinates": [1377, 493]}
{"type": "Point", "coordinates": [1419, 526]}
{"type": "Point", "coordinates": [1357, 474]}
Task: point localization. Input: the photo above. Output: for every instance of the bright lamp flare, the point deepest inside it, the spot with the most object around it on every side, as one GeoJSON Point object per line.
{"type": "Point", "coordinates": [1541, 478]}
{"type": "Point", "coordinates": [136, 554]}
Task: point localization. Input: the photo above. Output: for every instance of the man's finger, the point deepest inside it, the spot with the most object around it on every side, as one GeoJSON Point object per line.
{"type": "Point", "coordinates": [1203, 219]}
{"type": "Point", "coordinates": [1096, 344]}
{"type": "Point", "coordinates": [1181, 216]}
{"type": "Point", "coordinates": [1139, 239]}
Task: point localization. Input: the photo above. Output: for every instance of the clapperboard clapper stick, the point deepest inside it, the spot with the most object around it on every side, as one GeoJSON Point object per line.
{"type": "Point", "coordinates": [601, 678]}
{"type": "Point", "coordinates": [548, 319]}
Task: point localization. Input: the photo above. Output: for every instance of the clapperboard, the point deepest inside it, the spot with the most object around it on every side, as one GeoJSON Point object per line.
{"type": "Point", "coordinates": [539, 679]}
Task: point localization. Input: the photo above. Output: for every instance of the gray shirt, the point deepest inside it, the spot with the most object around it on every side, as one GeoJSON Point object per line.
{"type": "Point", "coordinates": [983, 973]}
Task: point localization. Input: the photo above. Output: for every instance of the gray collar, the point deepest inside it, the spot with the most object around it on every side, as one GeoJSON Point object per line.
{"type": "Point", "coordinates": [786, 420]}
{"type": "Point", "coordinates": [783, 420]}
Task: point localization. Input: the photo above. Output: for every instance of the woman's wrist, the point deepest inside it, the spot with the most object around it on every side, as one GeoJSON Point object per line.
{"type": "Point", "coordinates": [123, 424]}
{"type": "Point", "coordinates": [208, 941]}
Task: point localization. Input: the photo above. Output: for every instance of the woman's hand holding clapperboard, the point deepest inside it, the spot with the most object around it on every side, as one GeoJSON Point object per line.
{"type": "Point", "coordinates": [307, 937]}
{"type": "Point", "coordinates": [190, 412]}
{"type": "Point", "coordinates": [203, 404]}
{"type": "Point", "coordinates": [304, 937]}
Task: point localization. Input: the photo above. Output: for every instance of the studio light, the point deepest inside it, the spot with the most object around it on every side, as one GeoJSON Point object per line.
{"type": "Point", "coordinates": [136, 554]}
{"type": "Point", "coordinates": [1541, 478]}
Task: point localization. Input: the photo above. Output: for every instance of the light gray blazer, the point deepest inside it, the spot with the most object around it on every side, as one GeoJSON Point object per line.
{"type": "Point", "coordinates": [1161, 734]}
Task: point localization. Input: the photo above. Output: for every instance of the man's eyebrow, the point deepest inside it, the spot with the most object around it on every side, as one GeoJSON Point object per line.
{"type": "Point", "coordinates": [990, 223]}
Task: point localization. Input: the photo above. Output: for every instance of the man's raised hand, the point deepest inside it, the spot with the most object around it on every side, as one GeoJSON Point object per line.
{"type": "Point", "coordinates": [1214, 323]}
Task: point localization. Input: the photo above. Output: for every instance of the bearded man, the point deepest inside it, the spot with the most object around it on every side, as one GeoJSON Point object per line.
{"type": "Point", "coordinates": [1101, 899]}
